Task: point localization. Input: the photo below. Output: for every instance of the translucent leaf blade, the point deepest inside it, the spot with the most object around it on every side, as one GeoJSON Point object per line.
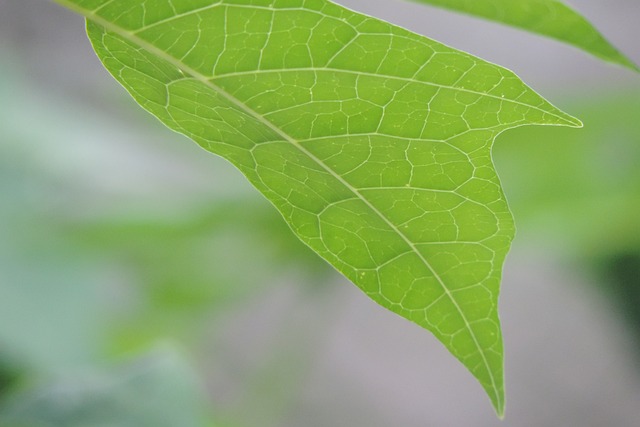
{"type": "Point", "coordinates": [550, 18]}
{"type": "Point", "coordinates": [374, 143]}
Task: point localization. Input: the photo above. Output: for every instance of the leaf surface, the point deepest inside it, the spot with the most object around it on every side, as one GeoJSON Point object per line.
{"type": "Point", "coordinates": [550, 18]}
{"type": "Point", "coordinates": [373, 142]}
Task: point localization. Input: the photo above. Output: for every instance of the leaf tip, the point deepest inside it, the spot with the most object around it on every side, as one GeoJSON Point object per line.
{"type": "Point", "coordinates": [634, 66]}
{"type": "Point", "coordinates": [560, 118]}
{"type": "Point", "coordinates": [622, 60]}
{"type": "Point", "coordinates": [563, 119]}
{"type": "Point", "coordinates": [574, 122]}
{"type": "Point", "coordinates": [498, 401]}
{"type": "Point", "coordinates": [500, 409]}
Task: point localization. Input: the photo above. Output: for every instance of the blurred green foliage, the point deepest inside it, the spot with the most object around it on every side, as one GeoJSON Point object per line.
{"type": "Point", "coordinates": [155, 391]}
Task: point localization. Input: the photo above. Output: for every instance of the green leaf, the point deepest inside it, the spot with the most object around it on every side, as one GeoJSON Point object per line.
{"type": "Point", "coordinates": [550, 18]}
{"type": "Point", "coordinates": [374, 143]}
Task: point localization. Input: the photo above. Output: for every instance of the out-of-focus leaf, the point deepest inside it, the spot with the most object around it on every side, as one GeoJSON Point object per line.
{"type": "Point", "coordinates": [550, 18]}
{"type": "Point", "coordinates": [156, 391]}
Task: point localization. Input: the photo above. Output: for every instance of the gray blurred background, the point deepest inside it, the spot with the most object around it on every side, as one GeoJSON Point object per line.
{"type": "Point", "coordinates": [144, 282]}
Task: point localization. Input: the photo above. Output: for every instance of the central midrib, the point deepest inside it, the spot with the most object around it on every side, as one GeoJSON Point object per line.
{"type": "Point", "coordinates": [206, 81]}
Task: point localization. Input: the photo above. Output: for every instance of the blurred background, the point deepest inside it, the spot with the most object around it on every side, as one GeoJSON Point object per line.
{"type": "Point", "coordinates": [143, 282]}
